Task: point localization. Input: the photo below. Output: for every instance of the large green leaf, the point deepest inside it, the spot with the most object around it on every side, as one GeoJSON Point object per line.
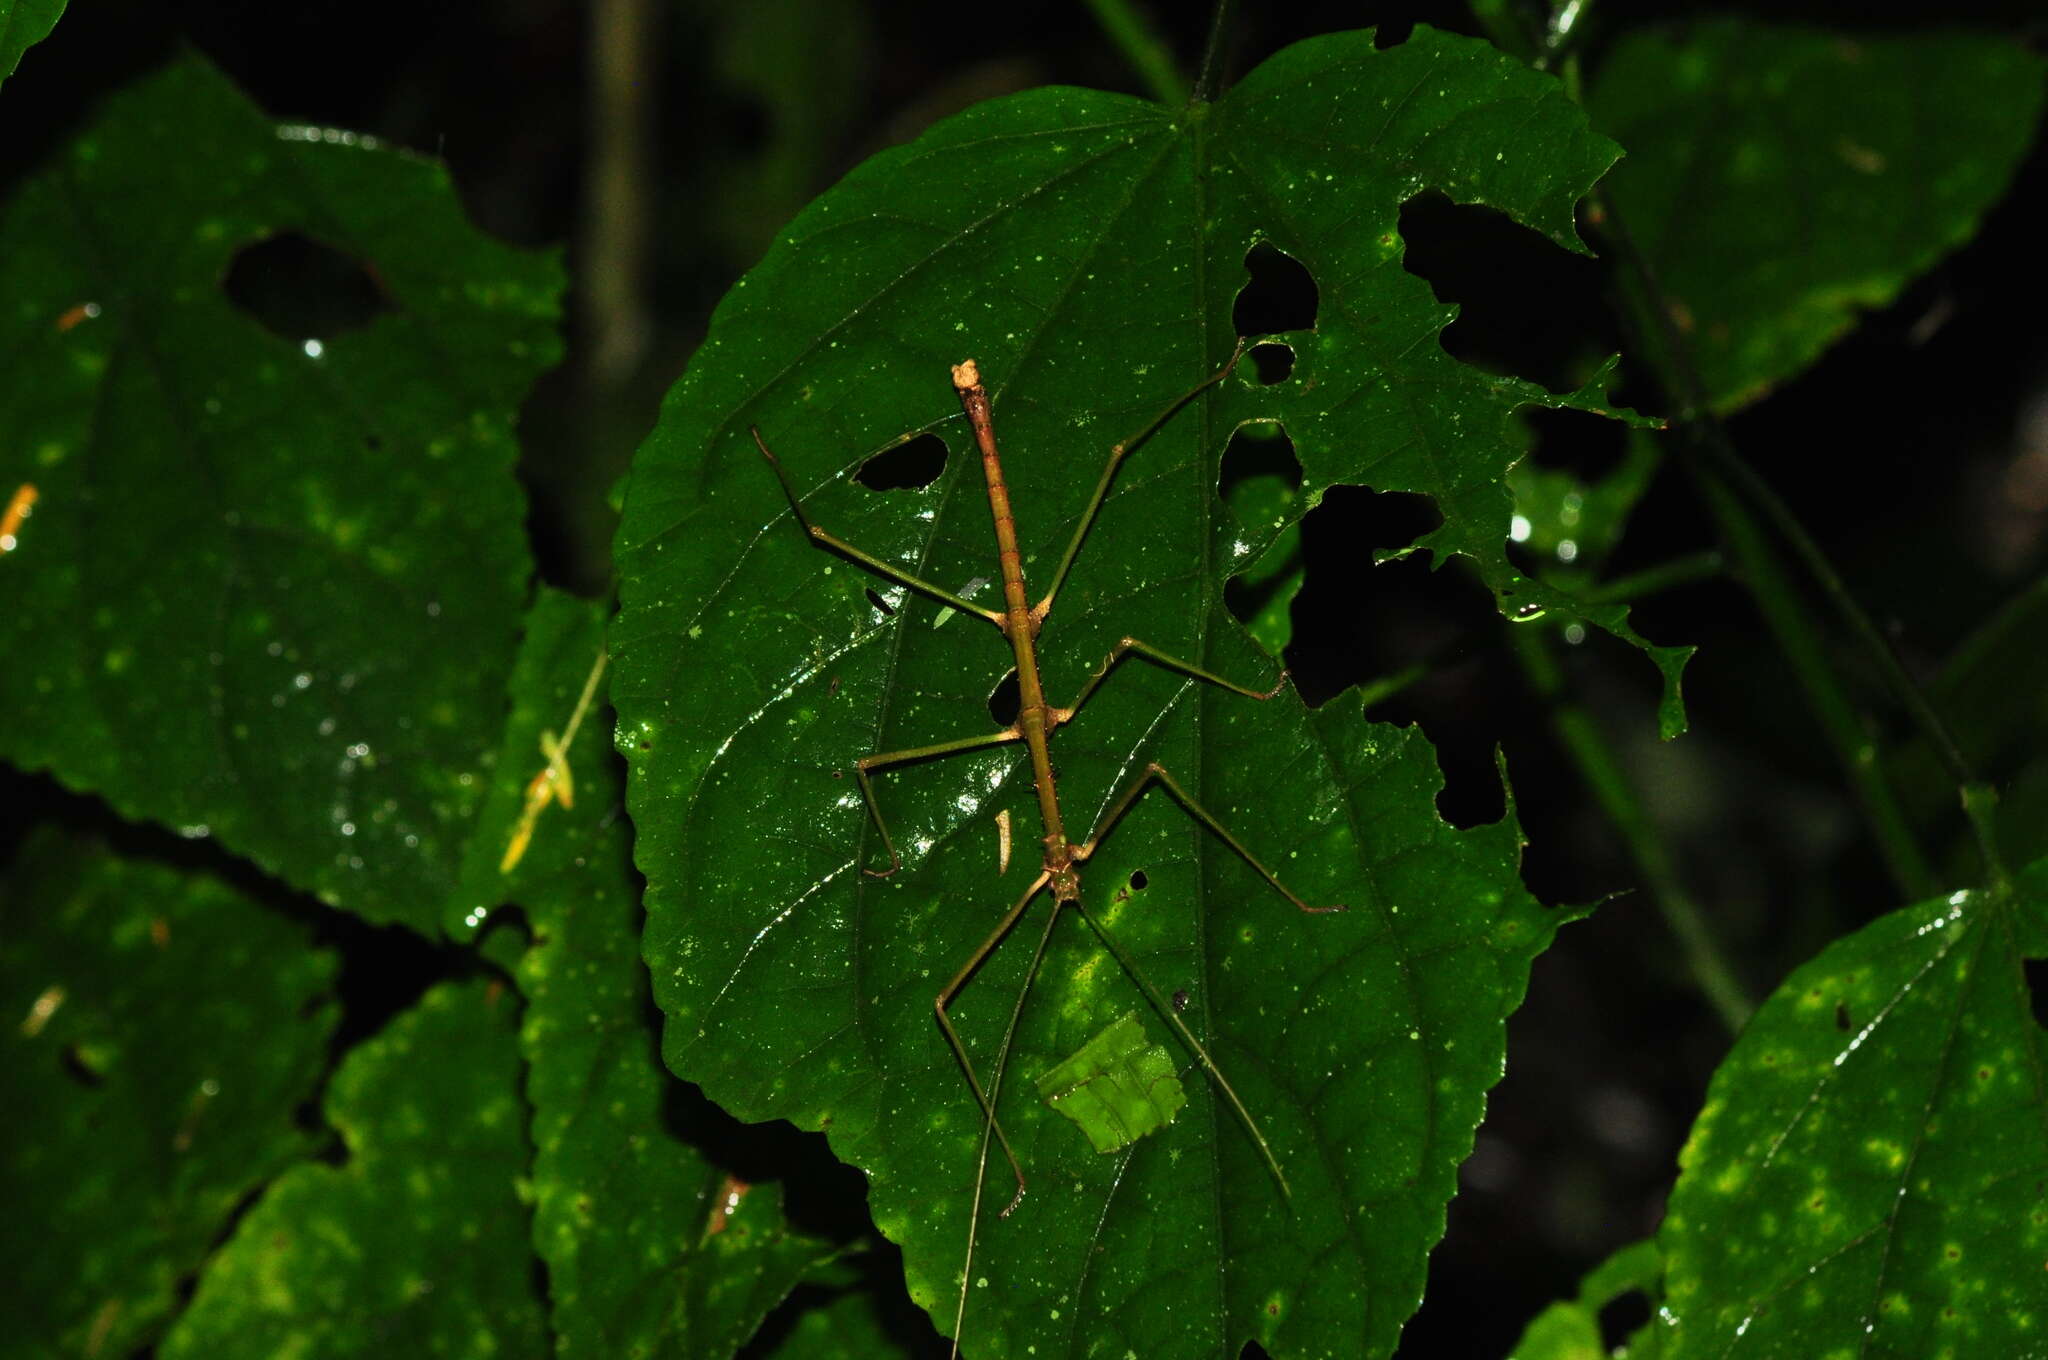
{"type": "Point", "coordinates": [266, 594]}
{"type": "Point", "coordinates": [418, 1243]}
{"type": "Point", "coordinates": [23, 24]}
{"type": "Point", "coordinates": [1866, 1177]}
{"type": "Point", "coordinates": [1086, 249]}
{"type": "Point", "coordinates": [651, 1249]}
{"type": "Point", "coordinates": [140, 1107]}
{"type": "Point", "coordinates": [1781, 179]}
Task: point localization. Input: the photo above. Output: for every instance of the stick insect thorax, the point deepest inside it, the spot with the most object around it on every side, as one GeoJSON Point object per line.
{"type": "Point", "coordinates": [1020, 623]}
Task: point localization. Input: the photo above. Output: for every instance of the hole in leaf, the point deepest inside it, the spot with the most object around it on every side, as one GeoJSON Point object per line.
{"type": "Point", "coordinates": [911, 465]}
{"type": "Point", "coordinates": [1579, 442]}
{"type": "Point", "coordinates": [2036, 971]}
{"type": "Point", "coordinates": [304, 290]}
{"type": "Point", "coordinates": [1621, 1318]}
{"type": "Point", "coordinates": [1426, 636]}
{"type": "Point", "coordinates": [1005, 700]}
{"type": "Point", "coordinates": [1273, 363]}
{"type": "Point", "coordinates": [1281, 295]}
{"type": "Point", "coordinates": [881, 605]}
{"type": "Point", "coordinates": [1259, 480]}
{"type": "Point", "coordinates": [1180, 999]}
{"type": "Point", "coordinates": [1138, 880]}
{"type": "Point", "coordinates": [1527, 306]}
{"type": "Point", "coordinates": [1259, 457]}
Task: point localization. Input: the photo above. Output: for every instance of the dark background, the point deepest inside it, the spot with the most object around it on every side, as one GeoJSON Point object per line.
{"type": "Point", "coordinates": [1893, 451]}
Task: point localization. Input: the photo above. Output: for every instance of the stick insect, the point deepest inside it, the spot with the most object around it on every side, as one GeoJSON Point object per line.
{"type": "Point", "coordinates": [1020, 621]}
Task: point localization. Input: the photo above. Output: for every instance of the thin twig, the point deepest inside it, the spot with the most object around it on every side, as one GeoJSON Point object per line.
{"type": "Point", "coordinates": [617, 212]}
{"type": "Point", "coordinates": [1588, 748]}
{"type": "Point", "coordinates": [1690, 569]}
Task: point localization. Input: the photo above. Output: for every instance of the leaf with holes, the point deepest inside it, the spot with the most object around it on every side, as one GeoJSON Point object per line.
{"type": "Point", "coordinates": [139, 1110]}
{"type": "Point", "coordinates": [1087, 249]}
{"type": "Point", "coordinates": [1780, 180]}
{"type": "Point", "coordinates": [417, 1244]}
{"type": "Point", "coordinates": [651, 1249]}
{"type": "Point", "coordinates": [1867, 1174]}
{"type": "Point", "coordinates": [269, 587]}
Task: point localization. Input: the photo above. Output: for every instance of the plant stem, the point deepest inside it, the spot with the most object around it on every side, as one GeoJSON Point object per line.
{"type": "Point", "coordinates": [1679, 571]}
{"type": "Point", "coordinates": [1209, 77]}
{"type": "Point", "coordinates": [1793, 629]}
{"type": "Point", "coordinates": [1588, 748]}
{"type": "Point", "coordinates": [1133, 33]}
{"type": "Point", "coordinates": [1719, 470]}
{"type": "Point", "coordinates": [616, 210]}
{"type": "Point", "coordinates": [1979, 800]}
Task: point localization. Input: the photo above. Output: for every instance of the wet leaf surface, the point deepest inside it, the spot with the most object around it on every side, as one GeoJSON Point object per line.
{"type": "Point", "coordinates": [1087, 249]}
{"type": "Point", "coordinates": [1782, 180]}
{"type": "Point", "coordinates": [269, 590]}
{"type": "Point", "coordinates": [417, 1244]}
{"type": "Point", "coordinates": [140, 1108]}
{"type": "Point", "coordinates": [1867, 1176]}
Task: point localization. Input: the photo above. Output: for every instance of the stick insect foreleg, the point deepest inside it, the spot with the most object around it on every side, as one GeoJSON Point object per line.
{"type": "Point", "coordinates": [866, 559]}
{"type": "Point", "coordinates": [1116, 456]}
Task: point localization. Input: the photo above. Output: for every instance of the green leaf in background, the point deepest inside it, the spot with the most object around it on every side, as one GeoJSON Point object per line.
{"type": "Point", "coordinates": [1087, 249]}
{"type": "Point", "coordinates": [23, 24]}
{"type": "Point", "coordinates": [417, 1244]}
{"type": "Point", "coordinates": [1571, 1330]}
{"type": "Point", "coordinates": [270, 589]}
{"type": "Point", "coordinates": [140, 1109]}
{"type": "Point", "coordinates": [1118, 1087]}
{"type": "Point", "coordinates": [1866, 1175]}
{"type": "Point", "coordinates": [1268, 492]}
{"type": "Point", "coordinates": [1570, 524]}
{"type": "Point", "coordinates": [1779, 180]}
{"type": "Point", "coordinates": [651, 1250]}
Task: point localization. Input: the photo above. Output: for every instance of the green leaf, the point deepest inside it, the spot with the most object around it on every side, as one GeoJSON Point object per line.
{"type": "Point", "coordinates": [140, 1109]}
{"type": "Point", "coordinates": [1118, 1087]}
{"type": "Point", "coordinates": [1571, 1330]}
{"type": "Point", "coordinates": [850, 1325]}
{"type": "Point", "coordinates": [418, 1244]}
{"type": "Point", "coordinates": [1865, 1177]}
{"type": "Point", "coordinates": [651, 1250]}
{"type": "Point", "coordinates": [1086, 249]}
{"type": "Point", "coordinates": [1780, 180]}
{"type": "Point", "coordinates": [263, 595]}
{"type": "Point", "coordinates": [23, 24]}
